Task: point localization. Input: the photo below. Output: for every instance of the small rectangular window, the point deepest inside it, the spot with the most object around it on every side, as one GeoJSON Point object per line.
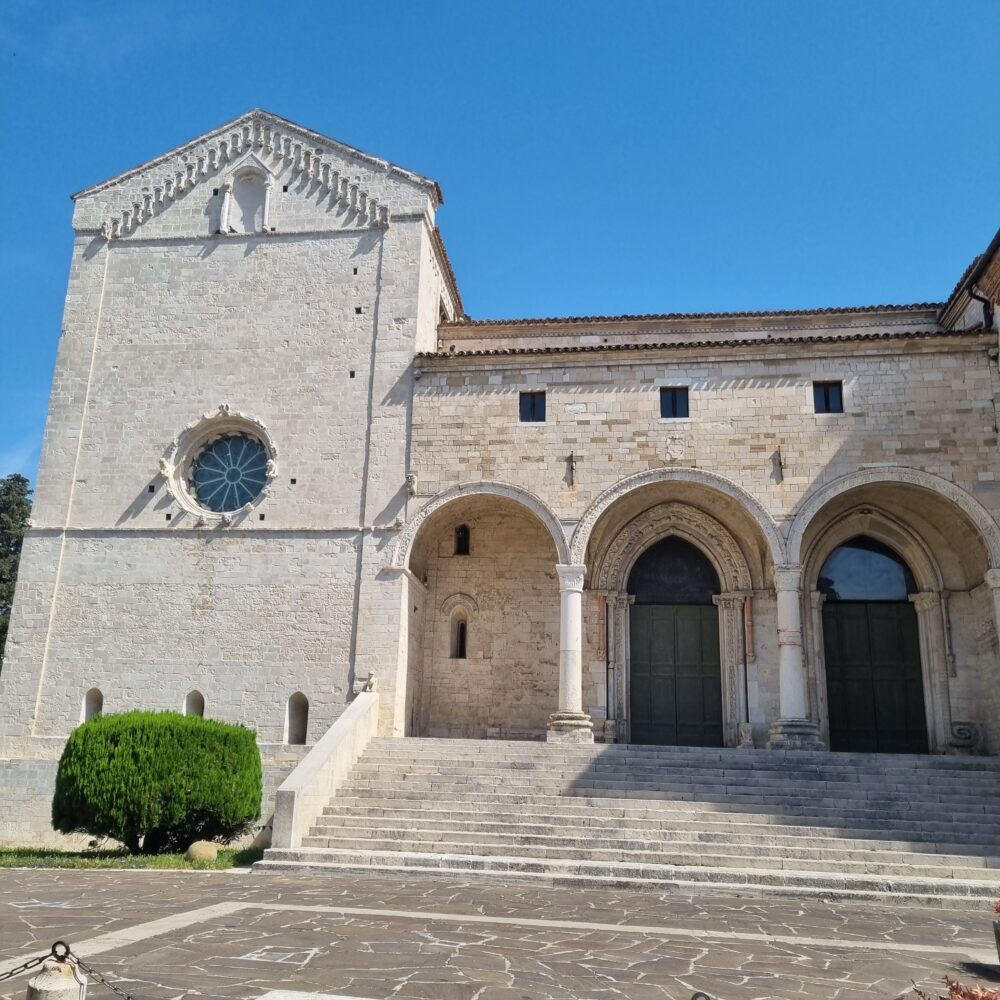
{"type": "Point", "coordinates": [828, 397]}
{"type": "Point", "coordinates": [673, 403]}
{"type": "Point", "coordinates": [532, 407]}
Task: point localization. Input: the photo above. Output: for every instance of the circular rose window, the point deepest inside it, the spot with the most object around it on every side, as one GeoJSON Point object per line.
{"type": "Point", "coordinates": [229, 473]}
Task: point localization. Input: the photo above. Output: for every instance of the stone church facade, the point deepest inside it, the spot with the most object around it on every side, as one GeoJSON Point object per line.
{"type": "Point", "coordinates": [281, 464]}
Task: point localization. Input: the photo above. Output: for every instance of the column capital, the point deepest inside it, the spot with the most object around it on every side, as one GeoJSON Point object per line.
{"type": "Point", "coordinates": [992, 578]}
{"type": "Point", "coordinates": [571, 576]}
{"type": "Point", "coordinates": [787, 577]}
{"type": "Point", "coordinates": [925, 600]}
{"type": "Point", "coordinates": [730, 600]}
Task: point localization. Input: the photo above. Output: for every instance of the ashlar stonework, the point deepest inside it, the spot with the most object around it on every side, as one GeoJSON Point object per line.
{"type": "Point", "coordinates": [266, 283]}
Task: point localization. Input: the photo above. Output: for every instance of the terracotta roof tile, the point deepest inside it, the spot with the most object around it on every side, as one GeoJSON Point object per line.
{"type": "Point", "coordinates": [626, 317]}
{"type": "Point", "coordinates": [703, 344]}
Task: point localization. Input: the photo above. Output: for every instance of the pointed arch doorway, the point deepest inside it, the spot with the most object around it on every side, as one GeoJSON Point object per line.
{"type": "Point", "coordinates": [675, 667]}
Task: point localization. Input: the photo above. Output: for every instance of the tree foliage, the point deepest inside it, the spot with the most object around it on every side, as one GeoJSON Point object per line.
{"type": "Point", "coordinates": [15, 508]}
{"type": "Point", "coordinates": [157, 781]}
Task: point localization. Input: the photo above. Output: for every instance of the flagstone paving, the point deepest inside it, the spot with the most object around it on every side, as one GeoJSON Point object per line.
{"type": "Point", "coordinates": [166, 935]}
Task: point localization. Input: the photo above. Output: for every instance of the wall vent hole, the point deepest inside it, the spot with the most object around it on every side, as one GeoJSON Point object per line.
{"type": "Point", "coordinates": [168, 517]}
{"type": "Point", "coordinates": [355, 270]}
{"type": "Point", "coordinates": [285, 188]}
{"type": "Point", "coordinates": [215, 191]}
{"type": "Point", "coordinates": [261, 516]}
{"type": "Point", "coordinates": [352, 373]}
{"type": "Point", "coordinates": [293, 481]}
{"type": "Point", "coordinates": [357, 310]}
{"type": "Point", "coordinates": [152, 488]}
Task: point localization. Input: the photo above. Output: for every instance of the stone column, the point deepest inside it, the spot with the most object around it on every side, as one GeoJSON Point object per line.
{"type": "Point", "coordinates": [793, 730]}
{"type": "Point", "coordinates": [934, 668]}
{"type": "Point", "coordinates": [992, 580]}
{"type": "Point", "coordinates": [733, 661]}
{"type": "Point", "coordinates": [571, 724]}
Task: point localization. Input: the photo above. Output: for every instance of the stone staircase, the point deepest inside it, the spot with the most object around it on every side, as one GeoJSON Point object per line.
{"type": "Point", "coordinates": [856, 826]}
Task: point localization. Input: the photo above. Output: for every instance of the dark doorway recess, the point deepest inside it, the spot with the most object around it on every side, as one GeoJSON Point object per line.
{"type": "Point", "coordinates": [675, 674]}
{"type": "Point", "coordinates": [874, 682]}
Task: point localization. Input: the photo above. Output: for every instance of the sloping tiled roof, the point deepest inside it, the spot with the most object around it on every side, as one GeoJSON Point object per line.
{"type": "Point", "coordinates": [702, 344]}
{"type": "Point", "coordinates": [637, 317]}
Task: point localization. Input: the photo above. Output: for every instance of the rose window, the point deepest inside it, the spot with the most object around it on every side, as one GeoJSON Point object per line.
{"type": "Point", "coordinates": [229, 473]}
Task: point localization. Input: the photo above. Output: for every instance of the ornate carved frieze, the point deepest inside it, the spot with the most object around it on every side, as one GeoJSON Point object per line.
{"type": "Point", "coordinates": [275, 147]}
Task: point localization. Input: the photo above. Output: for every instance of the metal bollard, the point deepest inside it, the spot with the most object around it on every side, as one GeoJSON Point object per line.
{"type": "Point", "coordinates": [59, 979]}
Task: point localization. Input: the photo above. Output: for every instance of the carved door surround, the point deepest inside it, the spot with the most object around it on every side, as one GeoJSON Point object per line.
{"type": "Point", "coordinates": [610, 577]}
{"type": "Point", "coordinates": [931, 604]}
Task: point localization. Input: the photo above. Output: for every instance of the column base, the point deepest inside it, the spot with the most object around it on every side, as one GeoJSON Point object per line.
{"type": "Point", "coordinates": [795, 734]}
{"type": "Point", "coordinates": [570, 727]}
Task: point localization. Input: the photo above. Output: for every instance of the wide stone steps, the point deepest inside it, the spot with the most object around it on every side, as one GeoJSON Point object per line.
{"type": "Point", "coordinates": [849, 826]}
{"type": "Point", "coordinates": [888, 808]}
{"type": "Point", "coordinates": [860, 862]}
{"type": "Point", "coordinates": [944, 891]}
{"type": "Point", "coordinates": [599, 814]}
{"type": "Point", "coordinates": [352, 826]}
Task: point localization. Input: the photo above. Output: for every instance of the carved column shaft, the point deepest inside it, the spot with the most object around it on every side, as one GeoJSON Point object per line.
{"type": "Point", "coordinates": [733, 662]}
{"type": "Point", "coordinates": [570, 723]}
{"type": "Point", "coordinates": [793, 730]}
{"type": "Point", "coordinates": [992, 580]}
{"type": "Point", "coordinates": [934, 666]}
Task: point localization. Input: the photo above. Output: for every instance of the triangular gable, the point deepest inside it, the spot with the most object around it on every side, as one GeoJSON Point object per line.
{"type": "Point", "coordinates": [129, 199]}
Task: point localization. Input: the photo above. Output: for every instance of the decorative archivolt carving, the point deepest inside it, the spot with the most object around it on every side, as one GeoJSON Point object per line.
{"type": "Point", "coordinates": [693, 525]}
{"type": "Point", "coordinates": [466, 601]}
{"type": "Point", "coordinates": [985, 523]}
{"type": "Point", "coordinates": [404, 543]}
{"type": "Point", "coordinates": [217, 156]}
{"type": "Point", "coordinates": [711, 480]}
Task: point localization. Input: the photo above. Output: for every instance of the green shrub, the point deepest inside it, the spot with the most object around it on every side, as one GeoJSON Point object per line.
{"type": "Point", "coordinates": [156, 781]}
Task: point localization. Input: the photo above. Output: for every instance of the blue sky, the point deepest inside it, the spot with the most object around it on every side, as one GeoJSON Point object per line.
{"type": "Point", "coordinates": [595, 157]}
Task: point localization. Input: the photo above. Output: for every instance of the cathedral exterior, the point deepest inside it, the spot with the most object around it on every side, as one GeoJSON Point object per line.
{"type": "Point", "coordinates": [282, 465]}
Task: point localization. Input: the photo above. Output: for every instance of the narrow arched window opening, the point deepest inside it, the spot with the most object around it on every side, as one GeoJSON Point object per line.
{"type": "Point", "coordinates": [297, 719]}
{"type": "Point", "coordinates": [93, 704]}
{"type": "Point", "coordinates": [462, 538]}
{"type": "Point", "coordinates": [194, 703]}
{"type": "Point", "coordinates": [459, 637]}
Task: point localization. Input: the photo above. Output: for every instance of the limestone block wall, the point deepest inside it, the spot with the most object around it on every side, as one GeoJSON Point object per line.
{"type": "Point", "coordinates": [925, 404]}
{"type": "Point", "coordinates": [309, 334]}
{"type": "Point", "coordinates": [508, 586]}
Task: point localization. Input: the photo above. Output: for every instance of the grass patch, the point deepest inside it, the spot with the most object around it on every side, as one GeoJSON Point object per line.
{"type": "Point", "coordinates": [40, 857]}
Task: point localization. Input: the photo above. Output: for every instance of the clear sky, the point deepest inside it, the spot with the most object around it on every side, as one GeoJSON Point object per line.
{"type": "Point", "coordinates": [595, 157]}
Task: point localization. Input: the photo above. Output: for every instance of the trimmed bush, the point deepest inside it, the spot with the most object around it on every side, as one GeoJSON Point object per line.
{"type": "Point", "coordinates": [156, 781]}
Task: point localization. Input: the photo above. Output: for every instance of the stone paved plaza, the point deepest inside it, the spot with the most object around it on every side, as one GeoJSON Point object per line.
{"type": "Point", "coordinates": [167, 935]}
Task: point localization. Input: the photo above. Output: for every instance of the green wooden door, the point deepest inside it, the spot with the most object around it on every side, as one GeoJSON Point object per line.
{"type": "Point", "coordinates": [875, 689]}
{"type": "Point", "coordinates": [675, 676]}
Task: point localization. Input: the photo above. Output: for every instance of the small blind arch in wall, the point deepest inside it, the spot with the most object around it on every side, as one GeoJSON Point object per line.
{"type": "Point", "coordinates": [93, 704]}
{"type": "Point", "coordinates": [194, 703]}
{"type": "Point", "coordinates": [297, 719]}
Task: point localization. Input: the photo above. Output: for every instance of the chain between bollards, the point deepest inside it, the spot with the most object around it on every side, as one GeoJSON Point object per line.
{"type": "Point", "coordinates": [53, 983]}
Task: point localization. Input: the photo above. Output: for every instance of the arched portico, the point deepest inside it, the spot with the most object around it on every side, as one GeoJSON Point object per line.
{"type": "Point", "coordinates": [481, 656]}
{"type": "Point", "coordinates": [949, 542]}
